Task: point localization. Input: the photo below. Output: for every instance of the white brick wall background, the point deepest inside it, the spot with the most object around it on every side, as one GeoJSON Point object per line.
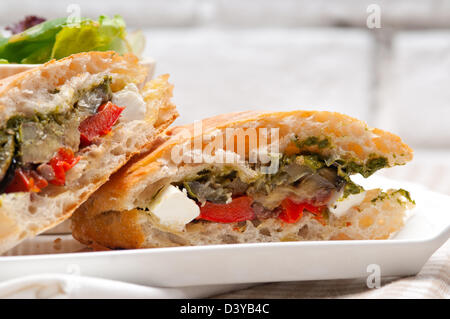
{"type": "Point", "coordinates": [229, 55]}
{"type": "Point", "coordinates": [415, 88]}
{"type": "Point", "coordinates": [218, 71]}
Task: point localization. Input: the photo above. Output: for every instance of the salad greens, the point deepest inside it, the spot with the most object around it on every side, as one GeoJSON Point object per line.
{"type": "Point", "coordinates": [58, 38]}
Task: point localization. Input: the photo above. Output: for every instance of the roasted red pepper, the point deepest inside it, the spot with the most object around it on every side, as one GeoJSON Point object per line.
{"type": "Point", "coordinates": [63, 161]}
{"type": "Point", "coordinates": [26, 181]}
{"type": "Point", "coordinates": [31, 181]}
{"type": "Point", "coordinates": [100, 123]}
{"type": "Point", "coordinates": [238, 210]}
{"type": "Point", "coordinates": [292, 212]}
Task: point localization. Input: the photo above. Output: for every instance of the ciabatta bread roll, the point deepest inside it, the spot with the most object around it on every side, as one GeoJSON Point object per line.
{"type": "Point", "coordinates": [289, 180]}
{"type": "Point", "coordinates": [65, 127]}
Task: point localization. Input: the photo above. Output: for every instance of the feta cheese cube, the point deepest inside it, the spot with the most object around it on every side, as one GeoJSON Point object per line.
{"type": "Point", "coordinates": [174, 208]}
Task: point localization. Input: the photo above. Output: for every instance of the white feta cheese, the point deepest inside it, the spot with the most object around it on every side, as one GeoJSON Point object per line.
{"type": "Point", "coordinates": [173, 208]}
{"type": "Point", "coordinates": [340, 207]}
{"type": "Point", "coordinates": [131, 99]}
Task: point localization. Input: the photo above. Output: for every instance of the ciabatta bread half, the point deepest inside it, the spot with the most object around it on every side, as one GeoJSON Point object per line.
{"type": "Point", "coordinates": [60, 89]}
{"type": "Point", "coordinates": [121, 214]}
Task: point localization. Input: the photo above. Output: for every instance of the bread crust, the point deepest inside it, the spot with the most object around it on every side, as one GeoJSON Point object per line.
{"type": "Point", "coordinates": [23, 215]}
{"type": "Point", "coordinates": [144, 175]}
{"type": "Point", "coordinates": [92, 62]}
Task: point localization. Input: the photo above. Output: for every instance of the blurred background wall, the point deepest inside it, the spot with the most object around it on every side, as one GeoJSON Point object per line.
{"type": "Point", "coordinates": [230, 55]}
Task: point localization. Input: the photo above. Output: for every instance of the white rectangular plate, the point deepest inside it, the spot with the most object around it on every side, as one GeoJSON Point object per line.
{"type": "Point", "coordinates": [405, 254]}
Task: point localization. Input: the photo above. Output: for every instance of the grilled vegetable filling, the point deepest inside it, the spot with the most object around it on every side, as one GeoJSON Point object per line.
{"type": "Point", "coordinates": [38, 150]}
{"type": "Point", "coordinates": [306, 183]}
{"type": "Point", "coordinates": [302, 182]}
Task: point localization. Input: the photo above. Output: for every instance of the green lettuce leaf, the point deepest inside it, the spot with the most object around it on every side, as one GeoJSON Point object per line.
{"type": "Point", "coordinates": [34, 45]}
{"type": "Point", "coordinates": [106, 34]}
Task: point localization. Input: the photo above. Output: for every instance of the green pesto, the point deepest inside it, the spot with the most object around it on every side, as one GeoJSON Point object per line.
{"type": "Point", "coordinates": [404, 193]}
{"type": "Point", "coordinates": [351, 188]}
{"type": "Point", "coordinates": [7, 146]}
{"type": "Point", "coordinates": [313, 161]}
{"type": "Point", "coordinates": [374, 164]}
{"type": "Point", "coordinates": [312, 141]}
{"type": "Point", "coordinates": [351, 167]}
{"type": "Point", "coordinates": [103, 88]}
{"type": "Point", "coordinates": [348, 166]}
